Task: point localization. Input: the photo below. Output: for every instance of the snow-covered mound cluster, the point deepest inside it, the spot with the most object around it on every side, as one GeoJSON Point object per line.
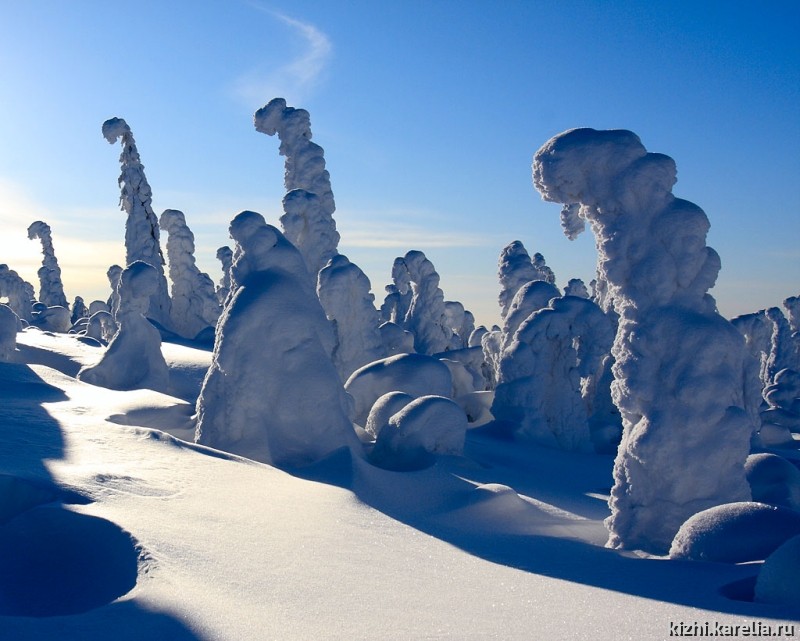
{"type": "Point", "coordinates": [500, 440]}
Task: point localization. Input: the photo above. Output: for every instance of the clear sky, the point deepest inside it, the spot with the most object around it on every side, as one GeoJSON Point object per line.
{"type": "Point", "coordinates": [429, 113]}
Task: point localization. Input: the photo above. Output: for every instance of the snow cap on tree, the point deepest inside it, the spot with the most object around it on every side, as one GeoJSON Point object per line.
{"type": "Point", "coordinates": [679, 366]}
{"type": "Point", "coordinates": [51, 289]}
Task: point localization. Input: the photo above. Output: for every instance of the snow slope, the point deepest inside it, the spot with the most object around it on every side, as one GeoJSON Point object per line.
{"type": "Point", "coordinates": [227, 549]}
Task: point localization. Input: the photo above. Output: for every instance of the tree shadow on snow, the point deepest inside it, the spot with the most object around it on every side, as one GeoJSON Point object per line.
{"type": "Point", "coordinates": [442, 503]}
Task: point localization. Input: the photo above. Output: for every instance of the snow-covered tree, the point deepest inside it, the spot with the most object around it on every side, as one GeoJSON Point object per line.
{"type": "Point", "coordinates": [783, 349]}
{"type": "Point", "coordinates": [514, 269]}
{"type": "Point", "coordinates": [225, 257]}
{"type": "Point", "coordinates": [308, 206]}
{"type": "Point", "coordinates": [679, 366]}
{"type": "Point", "coordinates": [51, 289]}
{"type": "Point", "coordinates": [141, 226]}
{"type": "Point", "coordinates": [133, 358]}
{"type": "Point", "coordinates": [114, 273]}
{"type": "Point", "coordinates": [792, 305]}
{"type": "Point", "coordinates": [194, 299]}
{"type": "Point", "coordinates": [576, 287]}
{"type": "Point", "coordinates": [546, 374]}
{"type": "Point", "coordinates": [272, 392]}
{"type": "Point", "coordinates": [79, 310]}
{"type": "Point", "coordinates": [9, 326]}
{"type": "Point", "coordinates": [18, 292]}
{"type": "Point", "coordinates": [460, 321]}
{"type": "Point", "coordinates": [344, 291]}
{"type": "Point", "coordinates": [426, 316]}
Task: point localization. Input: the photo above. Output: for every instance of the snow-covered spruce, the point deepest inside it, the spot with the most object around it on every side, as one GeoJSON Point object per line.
{"type": "Point", "coordinates": [101, 326]}
{"type": "Point", "coordinates": [133, 358]}
{"type": "Point", "coordinates": [225, 257]}
{"type": "Point", "coordinates": [757, 330]}
{"type": "Point", "coordinates": [9, 326]}
{"type": "Point", "coordinates": [679, 371]}
{"type": "Point", "coordinates": [141, 226]}
{"type": "Point", "coordinates": [114, 273]}
{"type": "Point", "coordinates": [51, 289]}
{"type": "Point", "coordinates": [783, 352]}
{"type": "Point", "coordinates": [548, 373]}
{"type": "Point", "coordinates": [792, 306]}
{"type": "Point", "coordinates": [19, 292]}
{"type": "Point", "coordinates": [194, 300]}
{"type": "Point", "coordinates": [272, 392]}
{"type": "Point", "coordinates": [344, 292]}
{"type": "Point", "coordinates": [79, 310]}
{"type": "Point", "coordinates": [461, 323]}
{"type": "Point", "coordinates": [576, 287]}
{"type": "Point", "coordinates": [308, 206]}
{"type": "Point", "coordinates": [514, 269]}
{"type": "Point", "coordinates": [426, 316]}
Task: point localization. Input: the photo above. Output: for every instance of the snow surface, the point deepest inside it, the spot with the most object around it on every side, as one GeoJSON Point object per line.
{"type": "Point", "coordinates": [505, 542]}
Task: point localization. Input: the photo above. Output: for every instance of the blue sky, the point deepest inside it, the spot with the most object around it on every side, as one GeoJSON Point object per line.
{"type": "Point", "coordinates": [429, 114]}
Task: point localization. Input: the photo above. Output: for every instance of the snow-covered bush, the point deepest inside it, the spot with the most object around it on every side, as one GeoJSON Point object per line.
{"type": "Point", "coordinates": [576, 287]}
{"type": "Point", "coordinates": [344, 292]}
{"type": "Point", "coordinates": [194, 300]}
{"type": "Point", "coordinates": [272, 392]}
{"type": "Point", "coordinates": [546, 370]}
{"type": "Point", "coordinates": [383, 409]}
{"type": "Point", "coordinates": [101, 326]}
{"type": "Point", "coordinates": [395, 339]}
{"type": "Point", "coordinates": [133, 358]}
{"type": "Point", "coordinates": [51, 289]}
{"type": "Point", "coordinates": [141, 226]}
{"type": "Point", "coordinates": [9, 326]}
{"type": "Point", "coordinates": [425, 427]}
{"type": "Point", "coordinates": [679, 366]}
{"type": "Point", "coordinates": [773, 480]}
{"type": "Point", "coordinates": [777, 580]}
{"type": "Point", "coordinates": [414, 374]}
{"type": "Point", "coordinates": [52, 319]}
{"type": "Point", "coordinates": [735, 533]}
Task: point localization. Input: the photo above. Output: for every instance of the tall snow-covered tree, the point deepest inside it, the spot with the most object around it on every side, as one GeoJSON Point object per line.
{"type": "Point", "coordinates": [51, 288]}
{"type": "Point", "coordinates": [141, 226]}
{"type": "Point", "coordinates": [679, 378]}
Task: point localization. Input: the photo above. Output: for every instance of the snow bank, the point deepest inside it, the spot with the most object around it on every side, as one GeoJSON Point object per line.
{"type": "Point", "coordinates": [679, 366]}
{"type": "Point", "coordinates": [141, 226]}
{"type": "Point", "coordinates": [735, 533]}
{"type": "Point", "coordinates": [272, 392]}
{"type": "Point", "coordinates": [425, 427]}
{"type": "Point", "coordinates": [414, 374]}
{"type": "Point", "coordinates": [133, 358]}
{"type": "Point", "coordinates": [778, 578]}
{"type": "Point", "coordinates": [344, 292]}
{"type": "Point", "coordinates": [773, 480]}
{"type": "Point", "coordinates": [51, 288]}
{"type": "Point", "coordinates": [194, 300]}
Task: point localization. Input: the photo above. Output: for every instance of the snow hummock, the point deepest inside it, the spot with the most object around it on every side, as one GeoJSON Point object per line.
{"type": "Point", "coordinates": [51, 288]}
{"type": "Point", "coordinates": [778, 579]}
{"type": "Point", "coordinates": [773, 480]}
{"type": "Point", "coordinates": [272, 392]}
{"type": "Point", "coordinates": [679, 371]}
{"type": "Point", "coordinates": [194, 299]}
{"type": "Point", "coordinates": [133, 358]}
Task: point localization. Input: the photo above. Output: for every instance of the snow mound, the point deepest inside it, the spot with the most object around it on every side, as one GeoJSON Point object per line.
{"type": "Point", "coordinates": [735, 533]}
{"type": "Point", "coordinates": [383, 409]}
{"type": "Point", "coordinates": [425, 427]}
{"type": "Point", "coordinates": [773, 480]}
{"type": "Point", "coordinates": [57, 562]}
{"type": "Point", "coordinates": [414, 374]}
{"type": "Point", "coordinates": [778, 580]}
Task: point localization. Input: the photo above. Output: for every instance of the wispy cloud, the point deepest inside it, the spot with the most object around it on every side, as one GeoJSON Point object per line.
{"type": "Point", "coordinates": [294, 80]}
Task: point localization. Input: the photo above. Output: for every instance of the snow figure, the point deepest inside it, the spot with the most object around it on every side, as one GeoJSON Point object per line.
{"type": "Point", "coordinates": [460, 321]}
{"type": "Point", "coordinates": [344, 291]}
{"type": "Point", "coordinates": [194, 299]}
{"type": "Point", "coordinates": [308, 206]}
{"type": "Point", "coordinates": [783, 350]}
{"type": "Point", "coordinates": [679, 366]}
{"type": "Point", "coordinates": [792, 305]}
{"type": "Point", "coordinates": [396, 303]}
{"type": "Point", "coordinates": [425, 427]}
{"type": "Point", "coordinates": [546, 373]}
{"type": "Point", "coordinates": [576, 287]}
{"type": "Point", "coordinates": [395, 339]}
{"type": "Point", "coordinates": [426, 317]}
{"type": "Point", "coordinates": [383, 409]}
{"type": "Point", "coordinates": [113, 274]}
{"type": "Point", "coordinates": [133, 358]}
{"type": "Point", "coordinates": [79, 310]}
{"type": "Point", "coordinates": [141, 227]}
{"type": "Point", "coordinates": [18, 292]}
{"type": "Point", "coordinates": [272, 392]}
{"type": "Point", "coordinates": [530, 298]}
{"type": "Point", "coordinates": [543, 272]}
{"type": "Point", "coordinates": [101, 305]}
{"type": "Point", "coordinates": [9, 326]}
{"type": "Point", "coordinates": [101, 327]}
{"type": "Point", "coordinates": [224, 256]}
{"type": "Point", "coordinates": [757, 331]}
{"type": "Point", "coordinates": [52, 319]}
{"type": "Point", "coordinates": [477, 334]}
{"type": "Point", "coordinates": [51, 289]}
